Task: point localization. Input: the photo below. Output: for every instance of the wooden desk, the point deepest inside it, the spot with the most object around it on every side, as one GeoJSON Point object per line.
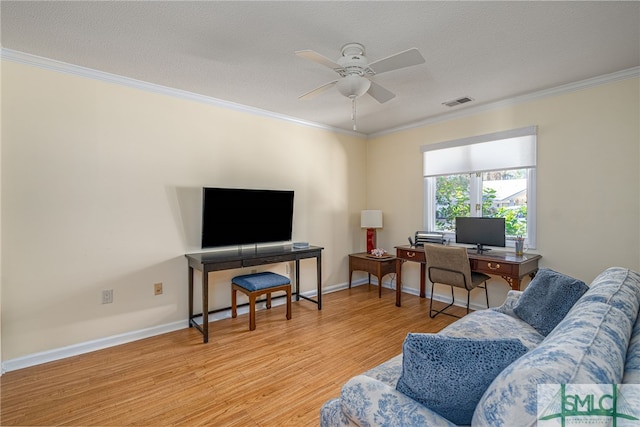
{"type": "Point", "coordinates": [238, 258]}
{"type": "Point", "coordinates": [510, 267]}
{"type": "Point", "coordinates": [372, 265]}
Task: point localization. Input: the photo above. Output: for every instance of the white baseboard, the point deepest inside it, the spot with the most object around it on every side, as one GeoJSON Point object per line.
{"type": "Point", "coordinates": [106, 342]}
{"type": "Point", "coordinates": [102, 343]}
{"type": "Point", "coordinates": [89, 346]}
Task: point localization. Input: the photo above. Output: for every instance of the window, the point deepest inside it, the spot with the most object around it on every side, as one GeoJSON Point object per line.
{"type": "Point", "coordinates": [490, 175]}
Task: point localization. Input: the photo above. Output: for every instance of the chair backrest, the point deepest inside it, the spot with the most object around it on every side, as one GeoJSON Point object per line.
{"type": "Point", "coordinates": [448, 265]}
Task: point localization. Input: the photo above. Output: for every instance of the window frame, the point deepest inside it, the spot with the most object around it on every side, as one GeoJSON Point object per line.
{"type": "Point", "coordinates": [429, 182]}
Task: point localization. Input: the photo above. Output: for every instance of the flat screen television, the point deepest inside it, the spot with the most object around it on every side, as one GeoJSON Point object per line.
{"type": "Point", "coordinates": [245, 216]}
{"type": "Point", "coordinates": [480, 231]}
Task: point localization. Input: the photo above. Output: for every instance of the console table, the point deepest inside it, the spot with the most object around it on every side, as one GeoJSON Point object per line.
{"type": "Point", "coordinates": [510, 267]}
{"type": "Point", "coordinates": [238, 258]}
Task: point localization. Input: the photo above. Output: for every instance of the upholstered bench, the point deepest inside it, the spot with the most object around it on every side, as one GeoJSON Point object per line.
{"type": "Point", "coordinates": [256, 284]}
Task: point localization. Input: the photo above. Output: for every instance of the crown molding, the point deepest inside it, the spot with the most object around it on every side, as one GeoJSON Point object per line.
{"type": "Point", "coordinates": [558, 90]}
{"type": "Point", "coordinates": [77, 70]}
{"type": "Point", "coordinates": [63, 67]}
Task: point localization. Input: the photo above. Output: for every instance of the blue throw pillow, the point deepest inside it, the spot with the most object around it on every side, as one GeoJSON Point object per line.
{"type": "Point", "coordinates": [548, 298]}
{"type": "Point", "coordinates": [449, 375]}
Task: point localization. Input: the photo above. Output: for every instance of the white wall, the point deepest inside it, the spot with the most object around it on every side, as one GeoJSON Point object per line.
{"type": "Point", "coordinates": [101, 186]}
{"type": "Point", "coordinates": [588, 178]}
{"type": "Point", "coordinates": [101, 190]}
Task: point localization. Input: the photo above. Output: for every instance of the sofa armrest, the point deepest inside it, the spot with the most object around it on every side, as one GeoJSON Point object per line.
{"type": "Point", "coordinates": [509, 303]}
{"type": "Point", "coordinates": [369, 402]}
{"type": "Point", "coordinates": [331, 415]}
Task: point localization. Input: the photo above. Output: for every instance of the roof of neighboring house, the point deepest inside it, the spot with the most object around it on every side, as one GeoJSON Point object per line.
{"type": "Point", "coordinates": [507, 188]}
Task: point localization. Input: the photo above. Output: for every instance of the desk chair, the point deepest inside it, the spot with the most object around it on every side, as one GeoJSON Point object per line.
{"type": "Point", "coordinates": [449, 265]}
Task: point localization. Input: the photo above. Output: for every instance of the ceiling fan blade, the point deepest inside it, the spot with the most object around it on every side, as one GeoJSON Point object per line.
{"type": "Point", "coordinates": [317, 91]}
{"type": "Point", "coordinates": [404, 59]}
{"type": "Point", "coordinates": [316, 57]}
{"type": "Point", "coordinates": [379, 93]}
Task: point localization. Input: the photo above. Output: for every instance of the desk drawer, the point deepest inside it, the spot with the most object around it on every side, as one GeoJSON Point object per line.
{"type": "Point", "coordinates": [274, 259]}
{"type": "Point", "coordinates": [416, 254]}
{"type": "Point", "coordinates": [491, 267]}
{"type": "Point", "coordinates": [229, 265]}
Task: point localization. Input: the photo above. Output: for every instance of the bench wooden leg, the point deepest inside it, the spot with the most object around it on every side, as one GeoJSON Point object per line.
{"type": "Point", "coordinates": [252, 301]}
{"type": "Point", "coordinates": [234, 311]}
{"type": "Point", "coordinates": [252, 311]}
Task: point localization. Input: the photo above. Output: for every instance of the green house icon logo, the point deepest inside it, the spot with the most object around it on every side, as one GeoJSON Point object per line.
{"type": "Point", "coordinates": [590, 404]}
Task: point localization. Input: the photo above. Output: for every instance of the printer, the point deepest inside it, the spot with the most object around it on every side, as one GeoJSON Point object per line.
{"type": "Point", "coordinates": [422, 237]}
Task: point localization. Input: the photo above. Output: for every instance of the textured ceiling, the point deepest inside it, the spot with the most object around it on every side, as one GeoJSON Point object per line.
{"type": "Point", "coordinates": [243, 52]}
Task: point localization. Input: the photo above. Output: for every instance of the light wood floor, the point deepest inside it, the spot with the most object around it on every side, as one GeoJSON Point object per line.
{"type": "Point", "coordinates": [280, 374]}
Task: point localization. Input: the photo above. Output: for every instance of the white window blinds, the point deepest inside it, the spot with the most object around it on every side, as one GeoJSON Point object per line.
{"type": "Point", "coordinates": [512, 149]}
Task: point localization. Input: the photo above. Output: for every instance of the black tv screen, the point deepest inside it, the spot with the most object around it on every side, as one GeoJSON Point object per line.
{"type": "Point", "coordinates": [245, 216]}
{"type": "Point", "coordinates": [480, 231]}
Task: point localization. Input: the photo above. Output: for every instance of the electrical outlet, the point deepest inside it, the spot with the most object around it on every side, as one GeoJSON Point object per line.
{"type": "Point", "coordinates": [157, 288]}
{"type": "Point", "coordinates": [107, 296]}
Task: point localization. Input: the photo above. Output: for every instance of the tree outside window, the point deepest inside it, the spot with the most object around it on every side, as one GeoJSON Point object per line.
{"type": "Point", "coordinates": [504, 195]}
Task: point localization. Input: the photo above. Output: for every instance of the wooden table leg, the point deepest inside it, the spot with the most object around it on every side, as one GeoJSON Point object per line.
{"type": "Point", "coordinates": [205, 305]}
{"type": "Point", "coordinates": [319, 279]}
{"type": "Point", "coordinates": [297, 280]}
{"type": "Point", "coordinates": [399, 282]}
{"type": "Point", "coordinates": [423, 270]}
{"type": "Point", "coordinates": [514, 282]}
{"type": "Point", "coordinates": [190, 295]}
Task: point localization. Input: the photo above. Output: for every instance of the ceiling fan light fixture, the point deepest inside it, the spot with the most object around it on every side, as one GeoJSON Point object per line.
{"type": "Point", "coordinates": [353, 86]}
{"type": "Point", "coordinates": [353, 66]}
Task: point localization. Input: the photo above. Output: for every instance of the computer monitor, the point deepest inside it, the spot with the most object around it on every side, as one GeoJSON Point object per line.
{"type": "Point", "coordinates": [480, 231]}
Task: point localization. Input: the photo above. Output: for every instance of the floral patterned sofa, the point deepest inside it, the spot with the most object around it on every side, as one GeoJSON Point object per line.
{"type": "Point", "coordinates": [596, 341]}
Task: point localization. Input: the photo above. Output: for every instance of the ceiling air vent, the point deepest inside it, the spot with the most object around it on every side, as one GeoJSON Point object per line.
{"type": "Point", "coordinates": [458, 101]}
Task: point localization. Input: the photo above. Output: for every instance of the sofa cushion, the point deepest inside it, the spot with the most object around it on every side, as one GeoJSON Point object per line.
{"type": "Point", "coordinates": [548, 298]}
{"type": "Point", "coordinates": [510, 301]}
{"type": "Point", "coordinates": [588, 347]}
{"type": "Point", "coordinates": [632, 362]}
{"type": "Point", "coordinates": [484, 324]}
{"type": "Point", "coordinates": [618, 287]}
{"type": "Point", "coordinates": [449, 374]}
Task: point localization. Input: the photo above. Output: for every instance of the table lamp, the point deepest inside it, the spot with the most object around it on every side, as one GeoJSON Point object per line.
{"type": "Point", "coordinates": [371, 219]}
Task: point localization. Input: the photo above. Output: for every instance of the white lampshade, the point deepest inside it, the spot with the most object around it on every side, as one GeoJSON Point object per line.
{"type": "Point", "coordinates": [371, 219]}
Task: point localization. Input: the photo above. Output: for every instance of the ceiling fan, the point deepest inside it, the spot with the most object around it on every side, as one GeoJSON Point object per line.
{"type": "Point", "coordinates": [355, 72]}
